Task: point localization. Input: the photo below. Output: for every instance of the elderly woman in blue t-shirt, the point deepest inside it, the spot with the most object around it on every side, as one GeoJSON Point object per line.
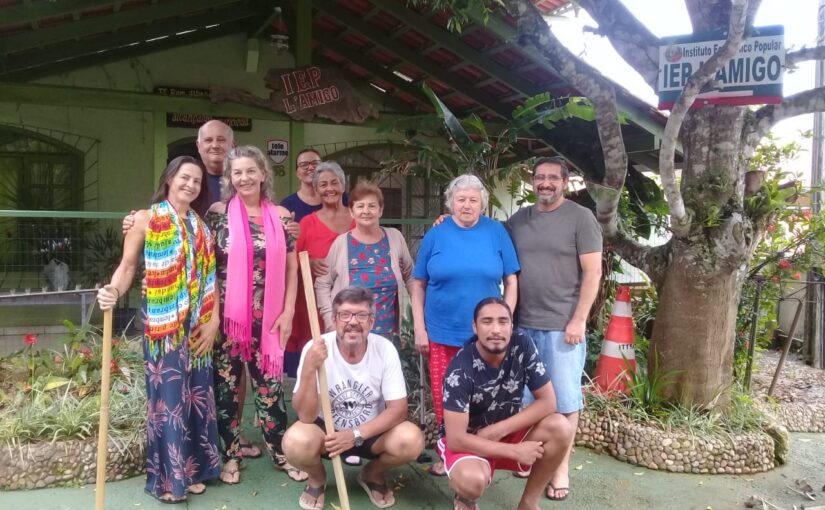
{"type": "Point", "coordinates": [459, 263]}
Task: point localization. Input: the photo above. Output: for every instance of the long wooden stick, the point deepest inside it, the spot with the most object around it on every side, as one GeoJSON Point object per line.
{"type": "Point", "coordinates": [103, 427]}
{"type": "Point", "coordinates": [326, 406]}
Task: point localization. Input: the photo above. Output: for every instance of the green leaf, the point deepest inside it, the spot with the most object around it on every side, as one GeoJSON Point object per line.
{"type": "Point", "coordinates": [53, 382]}
{"type": "Point", "coordinates": [451, 122]}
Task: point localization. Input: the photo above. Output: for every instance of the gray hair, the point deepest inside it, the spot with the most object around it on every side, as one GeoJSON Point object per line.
{"type": "Point", "coordinates": [247, 151]}
{"type": "Point", "coordinates": [353, 294]}
{"type": "Point", "coordinates": [462, 182]}
{"type": "Point", "coordinates": [329, 166]}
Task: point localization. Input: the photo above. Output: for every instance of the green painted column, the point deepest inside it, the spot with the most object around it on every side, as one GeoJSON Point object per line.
{"type": "Point", "coordinates": [160, 144]}
{"type": "Point", "coordinates": [303, 57]}
{"type": "Point", "coordinates": [296, 143]}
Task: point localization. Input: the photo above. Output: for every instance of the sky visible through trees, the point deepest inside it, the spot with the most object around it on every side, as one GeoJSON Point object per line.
{"type": "Point", "coordinates": [669, 17]}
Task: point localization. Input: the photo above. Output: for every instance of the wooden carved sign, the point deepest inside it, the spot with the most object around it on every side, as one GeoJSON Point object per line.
{"type": "Point", "coordinates": [306, 93]}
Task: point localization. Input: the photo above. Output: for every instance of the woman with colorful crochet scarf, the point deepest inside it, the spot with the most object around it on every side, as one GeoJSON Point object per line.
{"type": "Point", "coordinates": [258, 279]}
{"type": "Point", "coordinates": [181, 324]}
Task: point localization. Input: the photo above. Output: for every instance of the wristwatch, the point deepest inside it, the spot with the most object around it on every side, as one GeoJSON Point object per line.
{"type": "Point", "coordinates": [359, 439]}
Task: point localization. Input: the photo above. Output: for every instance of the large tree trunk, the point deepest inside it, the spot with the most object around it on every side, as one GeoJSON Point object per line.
{"type": "Point", "coordinates": [699, 289]}
{"type": "Point", "coordinates": [694, 329]}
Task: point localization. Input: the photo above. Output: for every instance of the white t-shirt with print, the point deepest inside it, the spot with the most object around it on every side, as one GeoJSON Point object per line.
{"type": "Point", "coordinates": [358, 392]}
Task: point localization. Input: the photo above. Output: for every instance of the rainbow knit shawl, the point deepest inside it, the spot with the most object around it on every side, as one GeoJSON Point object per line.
{"type": "Point", "coordinates": [179, 284]}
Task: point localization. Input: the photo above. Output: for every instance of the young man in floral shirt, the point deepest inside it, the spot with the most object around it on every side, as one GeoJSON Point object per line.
{"type": "Point", "coordinates": [485, 426]}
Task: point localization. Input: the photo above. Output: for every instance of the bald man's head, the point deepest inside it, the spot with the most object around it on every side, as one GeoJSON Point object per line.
{"type": "Point", "coordinates": [215, 140]}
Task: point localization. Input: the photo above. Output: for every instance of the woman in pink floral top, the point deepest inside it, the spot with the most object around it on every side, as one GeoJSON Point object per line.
{"type": "Point", "coordinates": [368, 256]}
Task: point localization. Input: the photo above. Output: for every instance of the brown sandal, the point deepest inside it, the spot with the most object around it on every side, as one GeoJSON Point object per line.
{"type": "Point", "coordinates": [380, 488]}
{"type": "Point", "coordinates": [315, 493]}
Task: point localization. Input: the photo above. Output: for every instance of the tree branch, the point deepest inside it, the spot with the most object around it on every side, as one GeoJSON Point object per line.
{"type": "Point", "coordinates": [794, 57]}
{"type": "Point", "coordinates": [599, 90]}
{"type": "Point", "coordinates": [680, 220]}
{"type": "Point", "coordinates": [632, 40]}
{"type": "Point", "coordinates": [651, 260]}
{"type": "Point", "coordinates": [758, 124]}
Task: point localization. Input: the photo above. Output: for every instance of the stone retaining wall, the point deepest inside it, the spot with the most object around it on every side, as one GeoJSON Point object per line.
{"type": "Point", "coordinates": [799, 417]}
{"type": "Point", "coordinates": [73, 462]}
{"type": "Point", "coordinates": [677, 451]}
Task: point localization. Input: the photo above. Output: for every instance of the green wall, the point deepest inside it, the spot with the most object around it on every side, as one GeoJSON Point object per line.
{"type": "Point", "coordinates": [126, 148]}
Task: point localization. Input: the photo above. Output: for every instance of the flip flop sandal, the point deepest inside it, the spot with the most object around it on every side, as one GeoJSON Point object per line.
{"type": "Point", "coordinates": [314, 493]}
{"type": "Point", "coordinates": [294, 474]}
{"type": "Point", "coordinates": [522, 474]}
{"type": "Point", "coordinates": [231, 472]}
{"type": "Point", "coordinates": [431, 470]}
{"type": "Point", "coordinates": [468, 503]}
{"type": "Point", "coordinates": [197, 492]}
{"type": "Point", "coordinates": [244, 447]}
{"type": "Point", "coordinates": [380, 488]}
{"type": "Point", "coordinates": [554, 489]}
{"type": "Point", "coordinates": [171, 501]}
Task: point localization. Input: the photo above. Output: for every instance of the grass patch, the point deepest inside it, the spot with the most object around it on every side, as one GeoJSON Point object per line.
{"type": "Point", "coordinates": [645, 403]}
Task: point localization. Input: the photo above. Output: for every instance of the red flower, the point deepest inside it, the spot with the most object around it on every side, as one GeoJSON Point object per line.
{"type": "Point", "coordinates": [30, 339]}
{"type": "Point", "coordinates": [771, 227]}
{"type": "Point", "coordinates": [797, 275]}
{"type": "Point", "coordinates": [365, 277]}
{"type": "Point", "coordinates": [85, 352]}
{"type": "Point", "coordinates": [784, 264]}
{"type": "Point", "coordinates": [114, 366]}
{"type": "Point", "coordinates": [808, 214]}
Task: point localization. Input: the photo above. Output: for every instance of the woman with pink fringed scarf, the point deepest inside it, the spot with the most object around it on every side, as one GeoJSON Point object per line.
{"type": "Point", "coordinates": [257, 272]}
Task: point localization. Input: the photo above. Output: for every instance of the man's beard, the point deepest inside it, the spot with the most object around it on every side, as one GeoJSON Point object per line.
{"type": "Point", "coordinates": [549, 200]}
{"type": "Point", "coordinates": [494, 350]}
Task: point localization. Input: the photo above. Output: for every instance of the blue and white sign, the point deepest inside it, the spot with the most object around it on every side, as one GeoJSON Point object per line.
{"type": "Point", "coordinates": [752, 76]}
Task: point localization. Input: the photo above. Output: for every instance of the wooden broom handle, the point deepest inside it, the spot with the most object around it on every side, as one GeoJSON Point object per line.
{"type": "Point", "coordinates": [103, 426]}
{"type": "Point", "coordinates": [326, 406]}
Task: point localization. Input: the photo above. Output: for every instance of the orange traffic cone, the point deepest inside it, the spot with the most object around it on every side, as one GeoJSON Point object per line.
{"type": "Point", "coordinates": [617, 349]}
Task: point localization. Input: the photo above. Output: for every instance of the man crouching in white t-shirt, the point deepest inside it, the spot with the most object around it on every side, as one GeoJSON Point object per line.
{"type": "Point", "coordinates": [369, 404]}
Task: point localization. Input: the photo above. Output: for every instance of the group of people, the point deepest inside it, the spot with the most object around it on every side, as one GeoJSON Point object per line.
{"type": "Point", "coordinates": [498, 309]}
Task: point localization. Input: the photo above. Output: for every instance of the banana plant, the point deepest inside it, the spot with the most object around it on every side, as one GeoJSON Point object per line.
{"type": "Point", "coordinates": [444, 146]}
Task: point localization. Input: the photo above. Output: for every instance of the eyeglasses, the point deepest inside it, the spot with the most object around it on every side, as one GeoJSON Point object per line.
{"type": "Point", "coordinates": [549, 178]}
{"type": "Point", "coordinates": [307, 164]}
{"type": "Point", "coordinates": [347, 316]}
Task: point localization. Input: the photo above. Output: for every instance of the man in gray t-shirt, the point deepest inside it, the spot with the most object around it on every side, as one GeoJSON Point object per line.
{"type": "Point", "coordinates": [559, 246]}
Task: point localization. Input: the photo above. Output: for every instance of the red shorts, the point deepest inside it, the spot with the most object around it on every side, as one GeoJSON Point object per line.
{"type": "Point", "coordinates": [452, 458]}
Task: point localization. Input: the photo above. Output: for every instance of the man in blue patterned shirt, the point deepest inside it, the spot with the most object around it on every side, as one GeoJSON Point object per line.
{"type": "Point", "coordinates": [485, 427]}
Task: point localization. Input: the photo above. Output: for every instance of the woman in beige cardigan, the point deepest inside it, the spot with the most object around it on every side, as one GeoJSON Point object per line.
{"type": "Point", "coordinates": [369, 256]}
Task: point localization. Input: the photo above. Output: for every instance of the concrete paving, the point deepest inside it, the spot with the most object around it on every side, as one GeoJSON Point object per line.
{"type": "Point", "coordinates": [597, 481]}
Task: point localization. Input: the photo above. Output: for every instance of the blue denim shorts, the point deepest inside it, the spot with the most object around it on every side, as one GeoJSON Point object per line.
{"type": "Point", "coordinates": [565, 363]}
